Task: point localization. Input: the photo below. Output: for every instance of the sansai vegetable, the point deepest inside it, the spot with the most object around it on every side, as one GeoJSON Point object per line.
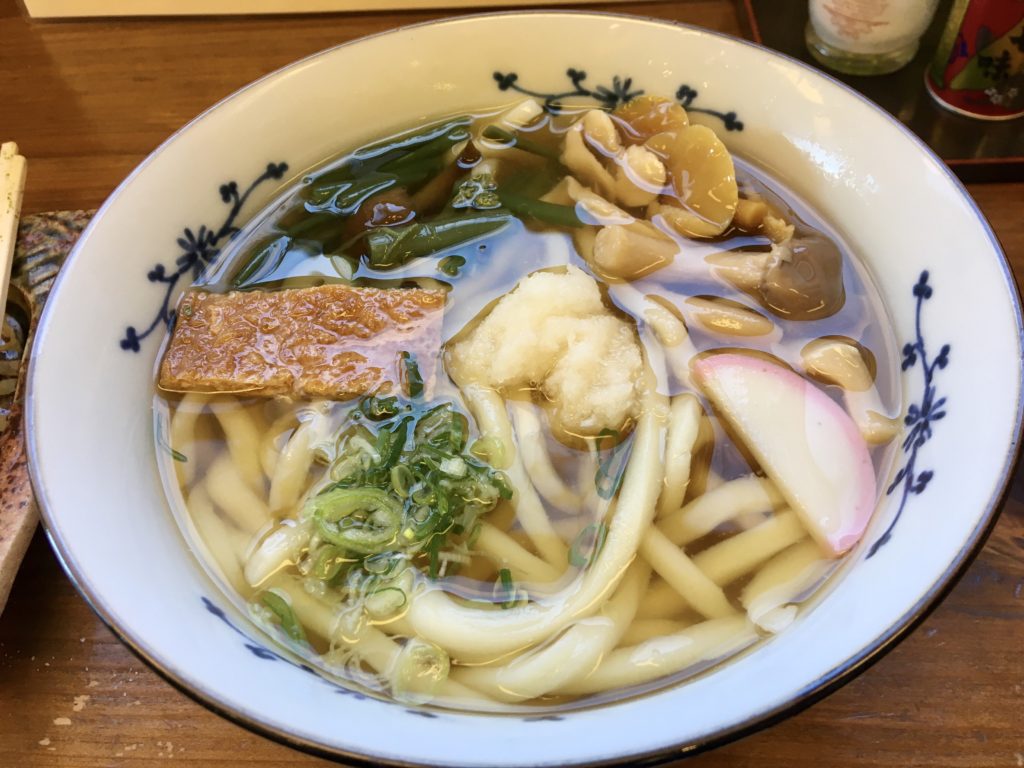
{"type": "Point", "coordinates": [400, 161]}
{"type": "Point", "coordinates": [332, 218]}
{"type": "Point", "coordinates": [518, 139]}
{"type": "Point", "coordinates": [389, 247]}
{"type": "Point", "coordinates": [531, 208]}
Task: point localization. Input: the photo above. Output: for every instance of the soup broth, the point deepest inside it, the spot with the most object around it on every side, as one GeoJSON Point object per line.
{"type": "Point", "coordinates": [652, 400]}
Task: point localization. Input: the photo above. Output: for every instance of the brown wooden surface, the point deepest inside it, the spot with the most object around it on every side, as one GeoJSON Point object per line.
{"type": "Point", "coordinates": [87, 101]}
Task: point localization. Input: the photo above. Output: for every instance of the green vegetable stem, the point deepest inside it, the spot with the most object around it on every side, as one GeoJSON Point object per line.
{"type": "Point", "coordinates": [550, 213]}
{"type": "Point", "coordinates": [376, 156]}
{"type": "Point", "coordinates": [390, 247]}
{"type": "Point", "coordinates": [412, 380]}
{"type": "Point", "coordinates": [496, 133]}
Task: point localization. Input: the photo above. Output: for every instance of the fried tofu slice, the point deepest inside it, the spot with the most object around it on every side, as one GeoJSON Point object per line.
{"type": "Point", "coordinates": [332, 341]}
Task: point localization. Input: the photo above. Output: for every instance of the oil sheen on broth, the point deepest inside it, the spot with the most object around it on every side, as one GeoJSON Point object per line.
{"type": "Point", "coordinates": [523, 409]}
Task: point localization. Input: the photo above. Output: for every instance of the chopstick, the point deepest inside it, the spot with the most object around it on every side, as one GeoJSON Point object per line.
{"type": "Point", "coordinates": [12, 185]}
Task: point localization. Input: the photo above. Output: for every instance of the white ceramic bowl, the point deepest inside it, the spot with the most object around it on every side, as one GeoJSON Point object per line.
{"type": "Point", "coordinates": [933, 256]}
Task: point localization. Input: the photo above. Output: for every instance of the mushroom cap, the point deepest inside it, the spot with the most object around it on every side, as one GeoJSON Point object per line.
{"type": "Point", "coordinates": [702, 179]}
{"type": "Point", "coordinates": [839, 360]}
{"type": "Point", "coordinates": [645, 116]}
{"type": "Point", "coordinates": [640, 176]}
{"type": "Point", "coordinates": [579, 158]}
{"type": "Point", "coordinates": [804, 279]}
{"type": "Point", "coordinates": [600, 132]}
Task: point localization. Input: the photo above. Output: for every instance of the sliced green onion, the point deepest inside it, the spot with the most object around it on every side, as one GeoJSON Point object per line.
{"type": "Point", "coordinates": [391, 443]}
{"type": "Point", "coordinates": [347, 466]}
{"type": "Point", "coordinates": [399, 500]}
{"type": "Point", "coordinates": [450, 265]}
{"type": "Point", "coordinates": [343, 266]}
{"type": "Point", "coordinates": [457, 431]}
{"type": "Point", "coordinates": [587, 545]}
{"type": "Point", "coordinates": [433, 550]}
{"type": "Point", "coordinates": [422, 522]}
{"type": "Point", "coordinates": [360, 520]}
{"type": "Point", "coordinates": [474, 534]}
{"type": "Point", "coordinates": [613, 466]}
{"type": "Point", "coordinates": [285, 616]}
{"type": "Point", "coordinates": [504, 486]}
{"type": "Point", "coordinates": [382, 564]}
{"type": "Point", "coordinates": [402, 480]}
{"type": "Point", "coordinates": [419, 670]}
{"type": "Point", "coordinates": [329, 562]}
{"type": "Point", "coordinates": [507, 593]}
{"type": "Point", "coordinates": [443, 427]}
{"type": "Point", "coordinates": [411, 373]}
{"type": "Point", "coordinates": [490, 449]}
{"type": "Point", "coordinates": [162, 442]}
{"type": "Point", "coordinates": [454, 466]}
{"type": "Point", "coordinates": [385, 602]}
{"type": "Point", "coordinates": [379, 408]}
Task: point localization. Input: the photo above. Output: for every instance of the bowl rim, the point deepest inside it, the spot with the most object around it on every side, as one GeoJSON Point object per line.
{"type": "Point", "coordinates": [826, 684]}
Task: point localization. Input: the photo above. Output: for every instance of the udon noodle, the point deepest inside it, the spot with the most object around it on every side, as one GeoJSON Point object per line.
{"type": "Point", "coordinates": [529, 408]}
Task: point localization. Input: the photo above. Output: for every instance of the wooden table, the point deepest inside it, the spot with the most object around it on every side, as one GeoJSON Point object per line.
{"type": "Point", "coordinates": [87, 101]}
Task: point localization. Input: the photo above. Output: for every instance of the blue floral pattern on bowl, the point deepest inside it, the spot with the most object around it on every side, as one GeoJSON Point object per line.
{"type": "Point", "coordinates": [609, 97]}
{"type": "Point", "coordinates": [198, 250]}
{"type": "Point", "coordinates": [921, 416]}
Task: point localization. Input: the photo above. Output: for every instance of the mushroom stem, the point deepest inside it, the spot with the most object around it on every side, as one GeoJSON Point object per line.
{"type": "Point", "coordinates": [640, 176]}
{"type": "Point", "coordinates": [729, 318]}
{"type": "Point", "coordinates": [840, 362]}
{"type": "Point", "coordinates": [628, 252]}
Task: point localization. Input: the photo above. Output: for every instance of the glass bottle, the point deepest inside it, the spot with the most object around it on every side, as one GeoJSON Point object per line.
{"type": "Point", "coordinates": [867, 37]}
